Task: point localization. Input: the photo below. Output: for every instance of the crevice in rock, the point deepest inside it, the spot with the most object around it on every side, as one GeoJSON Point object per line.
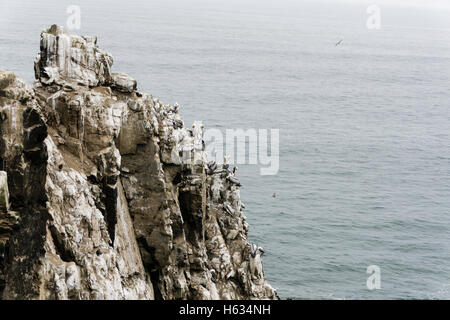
{"type": "Point", "coordinates": [192, 213]}
{"type": "Point", "coordinates": [61, 251]}
{"type": "Point", "coordinates": [151, 267]}
{"type": "Point", "coordinates": [111, 210]}
{"type": "Point", "coordinates": [3, 251]}
{"type": "Point", "coordinates": [185, 201]}
{"type": "Point", "coordinates": [154, 278]}
{"type": "Point", "coordinates": [177, 179]}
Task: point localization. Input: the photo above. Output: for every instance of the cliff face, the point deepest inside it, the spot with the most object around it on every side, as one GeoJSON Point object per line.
{"type": "Point", "coordinates": [105, 195]}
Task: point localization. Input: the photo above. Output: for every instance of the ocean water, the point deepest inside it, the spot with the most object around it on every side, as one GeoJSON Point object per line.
{"type": "Point", "coordinates": [364, 174]}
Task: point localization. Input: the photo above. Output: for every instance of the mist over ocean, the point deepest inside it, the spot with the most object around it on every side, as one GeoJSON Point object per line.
{"type": "Point", "coordinates": [364, 174]}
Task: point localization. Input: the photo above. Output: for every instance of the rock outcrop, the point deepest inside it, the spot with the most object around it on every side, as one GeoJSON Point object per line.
{"type": "Point", "coordinates": [104, 194]}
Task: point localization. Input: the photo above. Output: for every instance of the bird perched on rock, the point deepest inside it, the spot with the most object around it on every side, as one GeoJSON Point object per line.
{"type": "Point", "coordinates": [212, 165]}
{"type": "Point", "coordinates": [225, 165]}
{"type": "Point", "coordinates": [256, 250]}
{"type": "Point", "coordinates": [229, 209]}
{"type": "Point", "coordinates": [234, 180]}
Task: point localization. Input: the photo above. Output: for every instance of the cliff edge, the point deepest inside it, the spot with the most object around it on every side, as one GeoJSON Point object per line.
{"type": "Point", "coordinates": [104, 194]}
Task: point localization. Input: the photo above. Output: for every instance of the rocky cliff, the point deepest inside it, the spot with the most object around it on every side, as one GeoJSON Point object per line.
{"type": "Point", "coordinates": [104, 194]}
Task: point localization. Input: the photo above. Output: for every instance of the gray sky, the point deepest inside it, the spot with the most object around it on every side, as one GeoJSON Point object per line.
{"type": "Point", "coordinates": [439, 4]}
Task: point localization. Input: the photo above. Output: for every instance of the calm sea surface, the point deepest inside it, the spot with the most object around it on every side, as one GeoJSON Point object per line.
{"type": "Point", "coordinates": [364, 173]}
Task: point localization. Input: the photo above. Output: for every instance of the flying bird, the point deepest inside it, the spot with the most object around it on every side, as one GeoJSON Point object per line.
{"type": "Point", "coordinates": [338, 43]}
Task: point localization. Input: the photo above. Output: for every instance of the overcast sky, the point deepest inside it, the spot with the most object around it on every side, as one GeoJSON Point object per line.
{"type": "Point", "coordinates": [421, 3]}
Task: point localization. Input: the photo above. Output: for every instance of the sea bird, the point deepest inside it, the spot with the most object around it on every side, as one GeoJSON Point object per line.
{"type": "Point", "coordinates": [229, 209]}
{"type": "Point", "coordinates": [255, 250]}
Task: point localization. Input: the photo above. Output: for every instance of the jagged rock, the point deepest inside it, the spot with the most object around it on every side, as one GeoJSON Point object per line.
{"type": "Point", "coordinates": [110, 196]}
{"type": "Point", "coordinates": [4, 193]}
{"type": "Point", "coordinates": [70, 59]}
{"type": "Point", "coordinates": [123, 82]}
{"type": "Point", "coordinates": [14, 88]}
